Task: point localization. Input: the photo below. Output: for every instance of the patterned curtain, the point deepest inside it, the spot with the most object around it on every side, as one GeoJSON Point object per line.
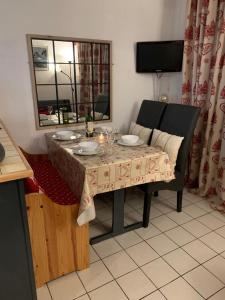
{"type": "Point", "coordinates": [204, 86]}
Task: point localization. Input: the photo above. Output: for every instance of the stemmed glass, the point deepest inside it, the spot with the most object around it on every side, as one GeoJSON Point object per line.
{"type": "Point", "coordinates": [50, 111]}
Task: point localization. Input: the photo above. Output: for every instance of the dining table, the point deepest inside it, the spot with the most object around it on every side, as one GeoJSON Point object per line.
{"type": "Point", "coordinates": [115, 168]}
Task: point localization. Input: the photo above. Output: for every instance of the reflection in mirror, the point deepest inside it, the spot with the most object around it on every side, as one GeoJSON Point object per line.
{"type": "Point", "coordinates": [70, 78]}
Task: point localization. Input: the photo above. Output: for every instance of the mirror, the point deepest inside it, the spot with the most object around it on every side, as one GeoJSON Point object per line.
{"type": "Point", "coordinates": [70, 78]}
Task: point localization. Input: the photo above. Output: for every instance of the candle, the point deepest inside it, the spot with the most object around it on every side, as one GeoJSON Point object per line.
{"type": "Point", "coordinates": [101, 138]}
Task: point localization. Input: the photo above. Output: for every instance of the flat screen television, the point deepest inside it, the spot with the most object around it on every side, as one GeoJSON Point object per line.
{"type": "Point", "coordinates": [164, 56]}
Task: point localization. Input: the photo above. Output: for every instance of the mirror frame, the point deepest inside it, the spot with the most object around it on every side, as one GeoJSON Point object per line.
{"type": "Point", "coordinates": [32, 71]}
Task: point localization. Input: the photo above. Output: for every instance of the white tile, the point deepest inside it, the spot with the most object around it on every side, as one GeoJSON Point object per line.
{"type": "Point", "coordinates": [110, 291]}
{"type": "Point", "coordinates": [163, 223]}
{"type": "Point", "coordinates": [154, 212]}
{"type": "Point", "coordinates": [104, 214]}
{"type": "Point", "coordinates": [163, 207]}
{"type": "Point", "coordinates": [180, 236]}
{"type": "Point", "coordinates": [155, 296]}
{"type": "Point", "coordinates": [162, 244]}
{"type": "Point", "coordinates": [173, 202]}
{"type": "Point", "coordinates": [142, 253]}
{"type": "Point", "coordinates": [97, 229]}
{"type": "Point", "coordinates": [199, 251]}
{"type": "Point", "coordinates": [107, 247]}
{"type": "Point", "coordinates": [147, 233]}
{"type": "Point", "coordinates": [180, 289]}
{"type": "Point", "coordinates": [221, 231]}
{"type": "Point", "coordinates": [119, 264]}
{"type": "Point", "coordinates": [218, 296]}
{"type": "Point", "coordinates": [128, 239]}
{"type": "Point", "coordinates": [218, 215]}
{"type": "Point", "coordinates": [136, 285]}
{"type": "Point", "coordinates": [159, 272]}
{"type": "Point", "coordinates": [95, 276]}
{"type": "Point", "coordinates": [85, 297]}
{"type": "Point", "coordinates": [211, 221]}
{"type": "Point", "coordinates": [214, 241]}
{"type": "Point", "coordinates": [216, 265]}
{"type": "Point", "coordinates": [66, 287]}
{"type": "Point", "coordinates": [167, 194]}
{"type": "Point", "coordinates": [194, 211]}
{"type": "Point", "coordinates": [196, 228]}
{"type": "Point", "coordinates": [132, 217]}
{"type": "Point", "coordinates": [93, 256]}
{"type": "Point", "coordinates": [193, 198]}
{"type": "Point", "coordinates": [179, 217]}
{"type": "Point", "coordinates": [205, 205]}
{"type": "Point", "coordinates": [203, 281]}
{"type": "Point", "coordinates": [180, 261]}
{"type": "Point", "coordinates": [43, 293]}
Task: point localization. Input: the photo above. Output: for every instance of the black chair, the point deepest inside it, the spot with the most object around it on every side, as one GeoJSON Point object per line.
{"type": "Point", "coordinates": [150, 114]}
{"type": "Point", "coordinates": [180, 120]}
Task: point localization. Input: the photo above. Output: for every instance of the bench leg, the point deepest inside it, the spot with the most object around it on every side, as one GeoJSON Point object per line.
{"type": "Point", "coordinates": [146, 211]}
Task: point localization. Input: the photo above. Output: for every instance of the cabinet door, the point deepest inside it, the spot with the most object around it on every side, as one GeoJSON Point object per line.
{"type": "Point", "coordinates": [16, 271]}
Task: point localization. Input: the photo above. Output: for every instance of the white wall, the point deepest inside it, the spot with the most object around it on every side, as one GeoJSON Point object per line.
{"type": "Point", "coordinates": [122, 21]}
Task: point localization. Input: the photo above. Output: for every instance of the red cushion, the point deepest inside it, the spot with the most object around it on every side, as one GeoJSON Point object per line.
{"type": "Point", "coordinates": [52, 184]}
{"type": "Point", "coordinates": [31, 185]}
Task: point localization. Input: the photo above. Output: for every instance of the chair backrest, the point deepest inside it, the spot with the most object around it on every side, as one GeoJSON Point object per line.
{"type": "Point", "coordinates": [150, 113]}
{"type": "Point", "coordinates": [180, 120]}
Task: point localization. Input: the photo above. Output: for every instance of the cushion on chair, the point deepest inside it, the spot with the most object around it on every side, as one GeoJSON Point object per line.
{"type": "Point", "coordinates": [168, 143]}
{"type": "Point", "coordinates": [143, 132]}
{"type": "Point", "coordinates": [31, 185]}
{"type": "Point", "coordinates": [52, 184]}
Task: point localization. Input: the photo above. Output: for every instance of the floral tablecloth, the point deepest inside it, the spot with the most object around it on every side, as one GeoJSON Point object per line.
{"type": "Point", "coordinates": [122, 167]}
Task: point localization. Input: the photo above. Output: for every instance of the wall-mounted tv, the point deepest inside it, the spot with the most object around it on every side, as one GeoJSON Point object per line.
{"type": "Point", "coordinates": [163, 56]}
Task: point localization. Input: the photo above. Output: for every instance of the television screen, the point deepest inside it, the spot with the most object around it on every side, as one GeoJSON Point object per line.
{"type": "Point", "coordinates": [165, 56]}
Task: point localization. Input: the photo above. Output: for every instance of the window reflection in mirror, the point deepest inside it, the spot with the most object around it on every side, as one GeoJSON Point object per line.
{"type": "Point", "coordinates": [70, 78]}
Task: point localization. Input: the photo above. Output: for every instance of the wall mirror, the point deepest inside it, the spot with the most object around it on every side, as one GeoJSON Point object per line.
{"type": "Point", "coordinates": [70, 78]}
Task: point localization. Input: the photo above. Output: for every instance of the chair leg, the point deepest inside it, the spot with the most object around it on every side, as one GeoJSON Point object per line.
{"type": "Point", "coordinates": [156, 194]}
{"type": "Point", "coordinates": [179, 200]}
{"type": "Point", "coordinates": [146, 211]}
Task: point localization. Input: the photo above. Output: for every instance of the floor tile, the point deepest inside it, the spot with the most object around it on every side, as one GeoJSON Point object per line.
{"type": "Point", "coordinates": [85, 297]}
{"type": "Point", "coordinates": [180, 261]}
{"type": "Point", "coordinates": [95, 276]}
{"type": "Point", "coordinates": [66, 287]}
{"type": "Point", "coordinates": [164, 207]}
{"type": "Point", "coordinates": [221, 231]}
{"type": "Point", "coordinates": [107, 247]}
{"type": "Point", "coordinates": [219, 215]}
{"type": "Point", "coordinates": [173, 202]}
{"type": "Point", "coordinates": [142, 253]}
{"type": "Point", "coordinates": [159, 272]}
{"type": "Point", "coordinates": [128, 239]}
{"type": "Point", "coordinates": [180, 289]}
{"type": "Point", "coordinates": [216, 265]}
{"type": "Point", "coordinates": [199, 251]}
{"type": "Point", "coordinates": [147, 233]}
{"type": "Point", "coordinates": [43, 293]}
{"type": "Point", "coordinates": [218, 296]}
{"type": "Point", "coordinates": [155, 296]}
{"type": "Point", "coordinates": [179, 218]}
{"type": "Point", "coordinates": [97, 229]}
{"type": "Point", "coordinates": [132, 217]}
{"type": "Point", "coordinates": [211, 221]}
{"type": "Point", "coordinates": [162, 244]}
{"type": "Point", "coordinates": [193, 198]}
{"type": "Point", "coordinates": [196, 228]}
{"type": "Point", "coordinates": [154, 212]}
{"type": "Point", "coordinates": [104, 214]}
{"type": "Point", "coordinates": [93, 256]}
{"type": "Point", "coordinates": [163, 223]}
{"type": "Point", "coordinates": [194, 211]}
{"type": "Point", "coordinates": [205, 205]}
{"type": "Point", "coordinates": [198, 278]}
{"type": "Point", "coordinates": [119, 264]}
{"type": "Point", "coordinates": [167, 194]}
{"type": "Point", "coordinates": [180, 236]}
{"type": "Point", "coordinates": [136, 285]}
{"type": "Point", "coordinates": [214, 241]}
{"type": "Point", "coordinates": [110, 291]}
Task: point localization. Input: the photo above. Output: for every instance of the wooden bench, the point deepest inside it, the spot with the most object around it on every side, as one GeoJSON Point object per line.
{"type": "Point", "coordinates": [59, 245]}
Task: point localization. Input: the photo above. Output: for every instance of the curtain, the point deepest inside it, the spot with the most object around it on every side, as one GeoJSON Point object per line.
{"type": "Point", "coordinates": [204, 86]}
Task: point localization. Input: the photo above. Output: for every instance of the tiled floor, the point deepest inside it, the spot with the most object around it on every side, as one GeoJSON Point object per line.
{"type": "Point", "coordinates": [180, 255]}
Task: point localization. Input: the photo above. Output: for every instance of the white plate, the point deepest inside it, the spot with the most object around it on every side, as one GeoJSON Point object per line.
{"type": "Point", "coordinates": [73, 137]}
{"type": "Point", "coordinates": [77, 150]}
{"type": "Point", "coordinates": [138, 143]}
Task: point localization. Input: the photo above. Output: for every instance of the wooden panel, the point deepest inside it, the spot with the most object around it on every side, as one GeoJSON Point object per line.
{"type": "Point", "coordinates": [64, 245]}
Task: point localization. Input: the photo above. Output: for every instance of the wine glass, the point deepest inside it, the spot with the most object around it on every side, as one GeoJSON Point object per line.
{"type": "Point", "coordinates": [50, 110]}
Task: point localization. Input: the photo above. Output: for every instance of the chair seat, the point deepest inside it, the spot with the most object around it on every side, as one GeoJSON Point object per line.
{"type": "Point", "coordinates": [52, 184]}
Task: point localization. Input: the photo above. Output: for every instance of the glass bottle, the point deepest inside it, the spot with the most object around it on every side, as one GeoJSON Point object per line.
{"type": "Point", "coordinates": [89, 125]}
